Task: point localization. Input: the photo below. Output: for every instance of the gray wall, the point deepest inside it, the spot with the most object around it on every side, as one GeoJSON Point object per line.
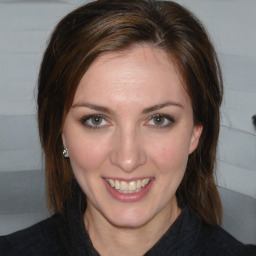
{"type": "Point", "coordinates": [24, 29]}
{"type": "Point", "coordinates": [232, 25]}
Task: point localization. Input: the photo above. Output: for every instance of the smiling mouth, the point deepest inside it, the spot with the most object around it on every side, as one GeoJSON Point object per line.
{"type": "Point", "coordinates": [128, 187]}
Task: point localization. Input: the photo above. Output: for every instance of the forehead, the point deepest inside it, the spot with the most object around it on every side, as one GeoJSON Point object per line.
{"type": "Point", "coordinates": [141, 75]}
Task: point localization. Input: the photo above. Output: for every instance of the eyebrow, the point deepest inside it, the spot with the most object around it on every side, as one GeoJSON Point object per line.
{"type": "Point", "coordinates": [160, 106]}
{"type": "Point", "coordinates": [144, 111]}
{"type": "Point", "coordinates": [93, 106]}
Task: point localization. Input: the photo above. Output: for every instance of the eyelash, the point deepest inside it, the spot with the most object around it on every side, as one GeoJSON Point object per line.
{"type": "Point", "coordinates": [90, 126]}
{"type": "Point", "coordinates": [169, 119]}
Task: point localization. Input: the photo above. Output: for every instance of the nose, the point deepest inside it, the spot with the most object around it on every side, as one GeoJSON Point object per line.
{"type": "Point", "coordinates": [127, 152]}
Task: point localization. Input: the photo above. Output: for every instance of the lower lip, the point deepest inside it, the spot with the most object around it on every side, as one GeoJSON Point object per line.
{"type": "Point", "coordinates": [133, 197]}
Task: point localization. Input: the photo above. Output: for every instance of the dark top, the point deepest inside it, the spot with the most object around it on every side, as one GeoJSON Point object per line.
{"type": "Point", "coordinates": [189, 235]}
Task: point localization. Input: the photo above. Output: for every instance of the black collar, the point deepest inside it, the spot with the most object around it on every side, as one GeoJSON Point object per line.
{"type": "Point", "coordinates": [180, 239]}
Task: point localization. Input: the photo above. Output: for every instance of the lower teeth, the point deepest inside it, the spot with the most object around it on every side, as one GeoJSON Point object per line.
{"type": "Point", "coordinates": [127, 191]}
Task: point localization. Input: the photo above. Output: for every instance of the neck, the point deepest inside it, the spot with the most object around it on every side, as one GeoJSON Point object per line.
{"type": "Point", "coordinates": [109, 239]}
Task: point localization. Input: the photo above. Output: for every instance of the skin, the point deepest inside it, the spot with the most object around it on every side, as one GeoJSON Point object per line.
{"type": "Point", "coordinates": [133, 86]}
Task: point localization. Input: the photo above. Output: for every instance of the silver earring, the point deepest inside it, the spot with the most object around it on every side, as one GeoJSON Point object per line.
{"type": "Point", "coordinates": [64, 152]}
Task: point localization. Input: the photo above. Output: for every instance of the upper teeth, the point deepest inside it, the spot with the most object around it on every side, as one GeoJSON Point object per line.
{"type": "Point", "coordinates": [128, 187]}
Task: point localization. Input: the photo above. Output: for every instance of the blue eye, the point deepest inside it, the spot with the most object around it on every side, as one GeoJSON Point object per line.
{"type": "Point", "coordinates": [94, 121]}
{"type": "Point", "coordinates": [161, 121]}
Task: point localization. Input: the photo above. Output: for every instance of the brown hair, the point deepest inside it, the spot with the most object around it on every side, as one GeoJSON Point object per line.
{"type": "Point", "coordinates": [114, 25]}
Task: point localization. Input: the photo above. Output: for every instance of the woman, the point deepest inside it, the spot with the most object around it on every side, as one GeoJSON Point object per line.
{"type": "Point", "coordinates": [128, 111]}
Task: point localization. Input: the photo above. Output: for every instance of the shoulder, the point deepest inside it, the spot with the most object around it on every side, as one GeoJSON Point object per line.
{"type": "Point", "coordinates": [40, 239]}
{"type": "Point", "coordinates": [216, 241]}
{"type": "Point", "coordinates": [212, 240]}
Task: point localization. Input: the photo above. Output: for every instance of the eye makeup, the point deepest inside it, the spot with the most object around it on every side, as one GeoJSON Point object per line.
{"type": "Point", "coordinates": [160, 121]}
{"type": "Point", "coordinates": [94, 121]}
{"type": "Point", "coordinates": [98, 121]}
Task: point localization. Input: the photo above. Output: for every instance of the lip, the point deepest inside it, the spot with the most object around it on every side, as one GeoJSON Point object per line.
{"type": "Point", "coordinates": [133, 197]}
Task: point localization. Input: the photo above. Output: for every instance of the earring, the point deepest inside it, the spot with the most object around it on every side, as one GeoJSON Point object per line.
{"type": "Point", "coordinates": [64, 152]}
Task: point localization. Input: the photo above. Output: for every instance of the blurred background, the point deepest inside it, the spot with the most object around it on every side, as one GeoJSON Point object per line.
{"type": "Point", "coordinates": [25, 27]}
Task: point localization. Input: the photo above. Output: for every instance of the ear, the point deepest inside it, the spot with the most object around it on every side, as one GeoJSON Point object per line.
{"type": "Point", "coordinates": [64, 143]}
{"type": "Point", "coordinates": [197, 131]}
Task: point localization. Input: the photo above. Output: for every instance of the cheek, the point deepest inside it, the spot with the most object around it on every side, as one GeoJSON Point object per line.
{"type": "Point", "coordinates": [170, 155]}
{"type": "Point", "coordinates": [87, 154]}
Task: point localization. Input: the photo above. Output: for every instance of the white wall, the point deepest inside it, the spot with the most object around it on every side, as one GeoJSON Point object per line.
{"type": "Point", "coordinates": [24, 29]}
{"type": "Point", "coordinates": [232, 26]}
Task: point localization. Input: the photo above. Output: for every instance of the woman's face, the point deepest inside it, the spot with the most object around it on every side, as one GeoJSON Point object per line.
{"type": "Point", "coordinates": [128, 134]}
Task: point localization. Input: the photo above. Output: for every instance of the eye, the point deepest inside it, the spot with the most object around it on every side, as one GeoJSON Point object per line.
{"type": "Point", "coordinates": [94, 121]}
{"type": "Point", "coordinates": [160, 121]}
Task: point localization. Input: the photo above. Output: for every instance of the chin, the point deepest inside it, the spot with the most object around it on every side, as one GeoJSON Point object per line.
{"type": "Point", "coordinates": [129, 219]}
